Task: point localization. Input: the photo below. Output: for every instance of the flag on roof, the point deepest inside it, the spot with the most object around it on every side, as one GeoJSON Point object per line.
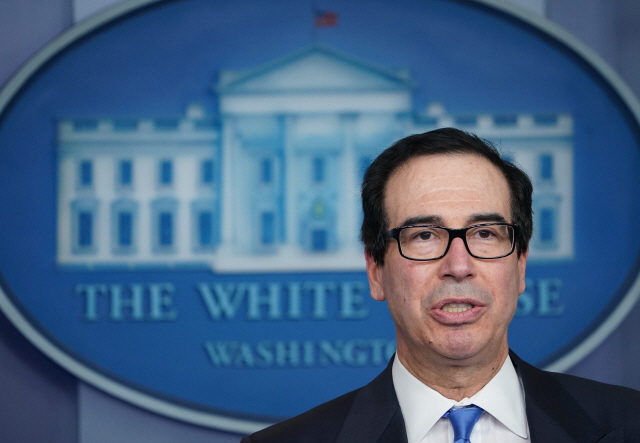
{"type": "Point", "coordinates": [325, 19]}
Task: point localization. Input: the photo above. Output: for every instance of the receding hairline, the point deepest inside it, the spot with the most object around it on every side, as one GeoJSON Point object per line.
{"type": "Point", "coordinates": [455, 153]}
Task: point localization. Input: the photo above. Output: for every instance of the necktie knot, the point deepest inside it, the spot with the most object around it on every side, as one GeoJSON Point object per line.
{"type": "Point", "coordinates": [463, 420]}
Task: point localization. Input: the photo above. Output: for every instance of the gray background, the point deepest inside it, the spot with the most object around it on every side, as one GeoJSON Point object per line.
{"type": "Point", "coordinates": [40, 402]}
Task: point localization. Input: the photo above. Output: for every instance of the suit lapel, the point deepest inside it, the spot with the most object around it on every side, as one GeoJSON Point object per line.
{"type": "Point", "coordinates": [552, 413]}
{"type": "Point", "coordinates": [375, 415]}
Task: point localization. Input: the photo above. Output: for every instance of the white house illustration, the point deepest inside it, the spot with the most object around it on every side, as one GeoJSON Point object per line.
{"type": "Point", "coordinates": [271, 182]}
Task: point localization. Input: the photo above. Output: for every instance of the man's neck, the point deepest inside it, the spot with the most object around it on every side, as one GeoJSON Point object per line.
{"type": "Point", "coordinates": [455, 379]}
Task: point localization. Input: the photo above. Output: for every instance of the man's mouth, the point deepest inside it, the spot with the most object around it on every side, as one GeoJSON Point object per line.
{"type": "Point", "coordinates": [456, 307]}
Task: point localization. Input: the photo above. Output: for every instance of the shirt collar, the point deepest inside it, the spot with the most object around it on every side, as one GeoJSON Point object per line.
{"type": "Point", "coordinates": [422, 407]}
{"type": "Point", "coordinates": [503, 398]}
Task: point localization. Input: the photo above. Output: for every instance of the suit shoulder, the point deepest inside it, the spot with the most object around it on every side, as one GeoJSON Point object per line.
{"type": "Point", "coordinates": [581, 407]}
{"type": "Point", "coordinates": [320, 424]}
{"type": "Point", "coordinates": [604, 391]}
{"type": "Point", "coordinates": [588, 392]}
{"type": "Point", "coordinates": [601, 399]}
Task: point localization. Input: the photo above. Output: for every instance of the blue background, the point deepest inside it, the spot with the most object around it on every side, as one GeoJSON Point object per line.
{"type": "Point", "coordinates": [153, 64]}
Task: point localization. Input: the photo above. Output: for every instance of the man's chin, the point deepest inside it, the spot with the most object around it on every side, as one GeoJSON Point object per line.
{"type": "Point", "coordinates": [469, 352]}
{"type": "Point", "coordinates": [463, 356]}
{"type": "Point", "coordinates": [461, 348]}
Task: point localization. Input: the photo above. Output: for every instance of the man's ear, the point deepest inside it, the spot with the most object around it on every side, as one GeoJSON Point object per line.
{"type": "Point", "coordinates": [522, 267]}
{"type": "Point", "coordinates": [374, 273]}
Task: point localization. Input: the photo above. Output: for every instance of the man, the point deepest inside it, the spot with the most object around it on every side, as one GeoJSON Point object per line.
{"type": "Point", "coordinates": [446, 229]}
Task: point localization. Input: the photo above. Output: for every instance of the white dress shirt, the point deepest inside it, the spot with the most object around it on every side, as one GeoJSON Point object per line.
{"type": "Point", "coordinates": [504, 419]}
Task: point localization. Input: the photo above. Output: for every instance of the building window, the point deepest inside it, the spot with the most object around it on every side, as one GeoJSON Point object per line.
{"type": "Point", "coordinates": [268, 228]}
{"type": "Point", "coordinates": [318, 170]}
{"type": "Point", "coordinates": [546, 167]}
{"type": "Point", "coordinates": [546, 210]}
{"type": "Point", "coordinates": [125, 176]}
{"type": "Point", "coordinates": [204, 225]}
{"type": "Point", "coordinates": [207, 172]}
{"type": "Point", "coordinates": [319, 240]}
{"type": "Point", "coordinates": [266, 170]}
{"type": "Point", "coordinates": [85, 229]}
{"type": "Point", "coordinates": [86, 173]}
{"type": "Point", "coordinates": [166, 172]}
{"type": "Point", "coordinates": [547, 225]}
{"type": "Point", "coordinates": [83, 226]}
{"type": "Point", "coordinates": [205, 228]}
{"type": "Point", "coordinates": [165, 221]}
{"type": "Point", "coordinates": [123, 226]}
{"type": "Point", "coordinates": [125, 229]}
{"type": "Point", "coordinates": [164, 224]}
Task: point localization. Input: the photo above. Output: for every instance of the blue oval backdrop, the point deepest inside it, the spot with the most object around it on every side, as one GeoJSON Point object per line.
{"type": "Point", "coordinates": [180, 191]}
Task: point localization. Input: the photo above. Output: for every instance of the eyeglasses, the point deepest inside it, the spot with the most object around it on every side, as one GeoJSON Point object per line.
{"type": "Point", "coordinates": [428, 242]}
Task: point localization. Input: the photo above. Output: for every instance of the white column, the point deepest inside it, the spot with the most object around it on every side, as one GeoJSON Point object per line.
{"type": "Point", "coordinates": [227, 216]}
{"type": "Point", "coordinates": [349, 195]}
{"type": "Point", "coordinates": [291, 187]}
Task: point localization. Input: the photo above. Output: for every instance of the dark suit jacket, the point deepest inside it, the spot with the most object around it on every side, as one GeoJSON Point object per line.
{"type": "Point", "coordinates": [560, 409]}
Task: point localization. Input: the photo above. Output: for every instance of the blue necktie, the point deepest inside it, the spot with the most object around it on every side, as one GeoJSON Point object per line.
{"type": "Point", "coordinates": [463, 420]}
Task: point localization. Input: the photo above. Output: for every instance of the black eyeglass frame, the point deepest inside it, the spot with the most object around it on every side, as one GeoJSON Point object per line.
{"type": "Point", "coordinates": [455, 233]}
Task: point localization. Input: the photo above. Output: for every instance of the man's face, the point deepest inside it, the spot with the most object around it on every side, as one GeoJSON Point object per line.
{"type": "Point", "coordinates": [453, 191]}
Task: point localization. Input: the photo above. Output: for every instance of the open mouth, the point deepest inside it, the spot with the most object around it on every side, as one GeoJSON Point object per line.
{"type": "Point", "coordinates": [456, 307]}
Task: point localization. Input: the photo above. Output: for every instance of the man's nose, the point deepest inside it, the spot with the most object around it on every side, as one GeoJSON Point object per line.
{"type": "Point", "coordinates": [458, 263]}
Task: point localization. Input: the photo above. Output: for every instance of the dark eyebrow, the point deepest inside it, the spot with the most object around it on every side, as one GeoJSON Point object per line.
{"type": "Point", "coordinates": [423, 220]}
{"type": "Point", "coordinates": [491, 217]}
{"type": "Point", "coordinates": [487, 218]}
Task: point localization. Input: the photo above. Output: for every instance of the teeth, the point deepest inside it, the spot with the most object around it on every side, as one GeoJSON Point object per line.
{"type": "Point", "coordinates": [456, 307]}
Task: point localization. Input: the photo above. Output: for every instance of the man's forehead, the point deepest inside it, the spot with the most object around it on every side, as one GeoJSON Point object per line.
{"type": "Point", "coordinates": [456, 183]}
